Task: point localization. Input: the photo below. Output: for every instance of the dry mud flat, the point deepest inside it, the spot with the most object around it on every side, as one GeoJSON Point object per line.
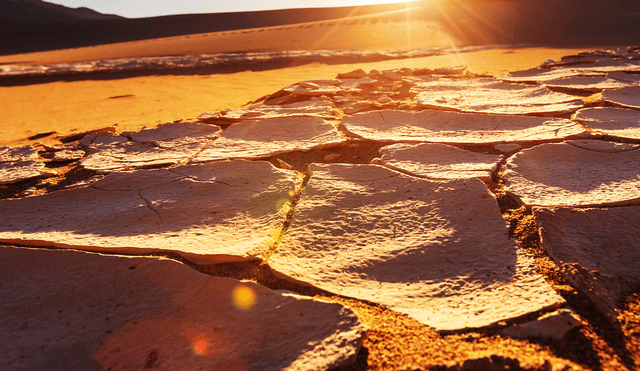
{"type": "Point", "coordinates": [425, 219]}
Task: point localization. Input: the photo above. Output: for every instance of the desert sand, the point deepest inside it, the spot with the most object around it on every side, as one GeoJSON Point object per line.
{"type": "Point", "coordinates": [133, 101]}
{"type": "Point", "coordinates": [398, 339]}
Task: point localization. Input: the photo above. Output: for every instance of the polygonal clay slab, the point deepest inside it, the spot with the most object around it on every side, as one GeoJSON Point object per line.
{"type": "Point", "coordinates": [609, 65]}
{"type": "Point", "coordinates": [21, 163]}
{"type": "Point", "coordinates": [535, 75]}
{"type": "Point", "coordinates": [266, 138]}
{"type": "Point", "coordinates": [16, 154]}
{"type": "Point", "coordinates": [551, 325]}
{"type": "Point", "coordinates": [309, 88]}
{"type": "Point", "coordinates": [68, 310]}
{"type": "Point", "coordinates": [437, 251]}
{"type": "Point", "coordinates": [585, 83]}
{"type": "Point", "coordinates": [616, 122]}
{"type": "Point", "coordinates": [623, 76]}
{"type": "Point", "coordinates": [488, 95]}
{"type": "Point", "coordinates": [175, 134]}
{"type": "Point", "coordinates": [77, 136]}
{"type": "Point", "coordinates": [438, 161]}
{"type": "Point", "coordinates": [227, 211]}
{"type": "Point", "coordinates": [318, 108]}
{"type": "Point", "coordinates": [65, 155]}
{"type": "Point", "coordinates": [559, 174]}
{"type": "Point", "coordinates": [596, 249]}
{"type": "Point", "coordinates": [453, 127]}
{"type": "Point", "coordinates": [628, 97]}
{"type": "Point", "coordinates": [14, 172]}
{"type": "Point", "coordinates": [164, 145]}
{"type": "Point", "coordinates": [602, 145]}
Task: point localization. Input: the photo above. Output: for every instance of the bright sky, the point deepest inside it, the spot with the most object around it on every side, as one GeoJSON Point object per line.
{"type": "Point", "coordinates": [152, 8]}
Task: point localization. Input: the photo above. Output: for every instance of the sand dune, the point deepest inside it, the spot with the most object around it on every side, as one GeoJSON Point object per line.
{"type": "Point", "coordinates": [386, 31]}
{"type": "Point", "coordinates": [428, 24]}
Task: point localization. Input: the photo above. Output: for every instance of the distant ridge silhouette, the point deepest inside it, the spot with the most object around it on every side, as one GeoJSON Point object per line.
{"type": "Point", "coordinates": [35, 25]}
{"type": "Point", "coordinates": [21, 12]}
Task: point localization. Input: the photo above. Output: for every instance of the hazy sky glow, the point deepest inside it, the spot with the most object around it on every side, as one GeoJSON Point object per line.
{"type": "Point", "coordinates": [152, 8]}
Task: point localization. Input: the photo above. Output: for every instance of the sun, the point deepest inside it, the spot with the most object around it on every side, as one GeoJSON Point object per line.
{"type": "Point", "coordinates": [373, 2]}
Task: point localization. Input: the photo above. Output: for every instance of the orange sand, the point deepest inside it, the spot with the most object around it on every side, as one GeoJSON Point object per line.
{"type": "Point", "coordinates": [67, 107]}
{"type": "Point", "coordinates": [136, 102]}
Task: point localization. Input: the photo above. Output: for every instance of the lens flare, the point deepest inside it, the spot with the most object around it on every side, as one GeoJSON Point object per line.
{"type": "Point", "coordinates": [201, 344]}
{"type": "Point", "coordinates": [283, 205]}
{"type": "Point", "coordinates": [203, 341]}
{"type": "Point", "coordinates": [243, 297]}
{"type": "Point", "coordinates": [291, 193]}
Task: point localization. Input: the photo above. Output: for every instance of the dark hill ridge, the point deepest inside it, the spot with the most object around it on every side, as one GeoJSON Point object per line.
{"type": "Point", "coordinates": [25, 12]}
{"type": "Point", "coordinates": [34, 25]}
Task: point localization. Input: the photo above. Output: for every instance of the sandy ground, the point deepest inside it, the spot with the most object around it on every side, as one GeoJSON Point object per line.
{"type": "Point", "coordinates": [134, 102]}
{"type": "Point", "coordinates": [146, 101]}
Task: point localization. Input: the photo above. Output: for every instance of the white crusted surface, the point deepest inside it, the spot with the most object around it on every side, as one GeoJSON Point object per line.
{"type": "Point", "coordinates": [623, 76]}
{"type": "Point", "coordinates": [489, 95]}
{"type": "Point", "coordinates": [603, 145]}
{"type": "Point", "coordinates": [15, 154]}
{"type": "Point", "coordinates": [67, 310]}
{"type": "Point", "coordinates": [453, 127]}
{"type": "Point", "coordinates": [596, 249]}
{"type": "Point", "coordinates": [559, 174]}
{"type": "Point", "coordinates": [586, 83]}
{"type": "Point", "coordinates": [14, 172]}
{"type": "Point", "coordinates": [628, 97]}
{"type": "Point", "coordinates": [270, 137]}
{"type": "Point", "coordinates": [608, 65]}
{"type": "Point", "coordinates": [313, 89]}
{"type": "Point", "coordinates": [174, 134]}
{"type": "Point", "coordinates": [68, 155]}
{"type": "Point", "coordinates": [603, 240]}
{"type": "Point", "coordinates": [438, 161]}
{"type": "Point", "coordinates": [437, 251]}
{"type": "Point", "coordinates": [541, 75]}
{"type": "Point", "coordinates": [318, 108]}
{"type": "Point", "coordinates": [21, 163]}
{"type": "Point", "coordinates": [164, 145]}
{"type": "Point", "coordinates": [225, 211]}
{"type": "Point", "coordinates": [616, 122]}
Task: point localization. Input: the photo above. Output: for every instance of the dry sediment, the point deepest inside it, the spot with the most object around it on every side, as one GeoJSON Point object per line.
{"type": "Point", "coordinates": [447, 274]}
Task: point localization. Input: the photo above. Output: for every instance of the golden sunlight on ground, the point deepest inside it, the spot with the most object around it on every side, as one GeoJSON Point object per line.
{"type": "Point", "coordinates": [394, 30]}
{"type": "Point", "coordinates": [147, 101]}
{"type": "Point", "coordinates": [133, 103]}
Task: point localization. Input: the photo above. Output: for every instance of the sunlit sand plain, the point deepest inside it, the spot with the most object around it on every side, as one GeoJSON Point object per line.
{"type": "Point", "coordinates": [133, 102]}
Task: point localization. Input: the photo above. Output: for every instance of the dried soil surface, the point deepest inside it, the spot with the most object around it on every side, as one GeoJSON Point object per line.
{"type": "Point", "coordinates": [398, 340]}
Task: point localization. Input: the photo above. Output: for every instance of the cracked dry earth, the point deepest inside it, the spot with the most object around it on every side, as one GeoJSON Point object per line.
{"type": "Point", "coordinates": [410, 219]}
